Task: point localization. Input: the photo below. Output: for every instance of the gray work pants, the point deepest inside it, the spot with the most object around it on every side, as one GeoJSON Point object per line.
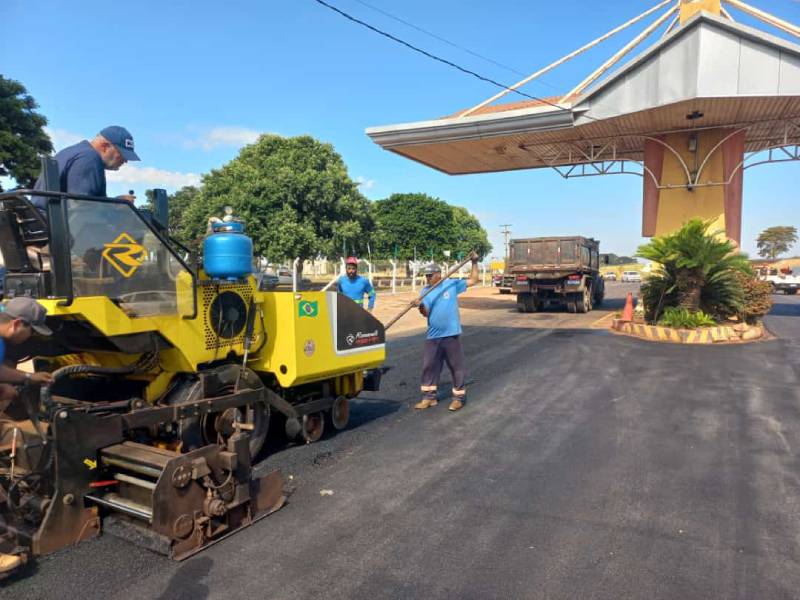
{"type": "Point", "coordinates": [437, 352]}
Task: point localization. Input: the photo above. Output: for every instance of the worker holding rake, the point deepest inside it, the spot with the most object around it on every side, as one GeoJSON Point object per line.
{"type": "Point", "coordinates": [443, 343]}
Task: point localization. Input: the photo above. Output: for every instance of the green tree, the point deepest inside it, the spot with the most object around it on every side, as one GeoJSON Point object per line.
{"type": "Point", "coordinates": [294, 194]}
{"type": "Point", "coordinates": [469, 234]}
{"type": "Point", "coordinates": [613, 259]}
{"type": "Point", "coordinates": [774, 241]}
{"type": "Point", "coordinates": [696, 270]}
{"type": "Point", "coordinates": [409, 223]}
{"type": "Point", "coordinates": [179, 203]}
{"type": "Point", "coordinates": [22, 136]}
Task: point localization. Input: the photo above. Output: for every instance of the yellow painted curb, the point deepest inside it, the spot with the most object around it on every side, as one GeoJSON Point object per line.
{"type": "Point", "coordinates": [601, 319]}
{"type": "Point", "coordinates": [702, 335]}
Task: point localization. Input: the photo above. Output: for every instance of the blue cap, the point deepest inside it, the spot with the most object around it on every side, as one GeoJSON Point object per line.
{"type": "Point", "coordinates": [122, 139]}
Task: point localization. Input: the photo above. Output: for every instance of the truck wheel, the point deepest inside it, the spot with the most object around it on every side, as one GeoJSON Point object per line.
{"type": "Point", "coordinates": [600, 294]}
{"type": "Point", "coordinates": [598, 300]}
{"type": "Point", "coordinates": [584, 301]}
{"type": "Point", "coordinates": [530, 303]}
{"type": "Point", "coordinates": [572, 305]}
{"type": "Point", "coordinates": [526, 303]}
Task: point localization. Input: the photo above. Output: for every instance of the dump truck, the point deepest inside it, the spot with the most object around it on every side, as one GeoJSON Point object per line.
{"type": "Point", "coordinates": [167, 373]}
{"type": "Point", "coordinates": [562, 271]}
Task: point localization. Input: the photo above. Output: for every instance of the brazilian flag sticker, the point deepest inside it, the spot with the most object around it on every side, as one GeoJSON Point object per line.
{"type": "Point", "coordinates": [307, 309]}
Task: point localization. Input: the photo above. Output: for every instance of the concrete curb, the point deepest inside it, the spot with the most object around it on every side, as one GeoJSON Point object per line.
{"type": "Point", "coordinates": [701, 335]}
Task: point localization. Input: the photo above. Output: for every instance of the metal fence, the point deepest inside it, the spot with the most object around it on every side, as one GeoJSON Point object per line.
{"type": "Point", "coordinates": [389, 275]}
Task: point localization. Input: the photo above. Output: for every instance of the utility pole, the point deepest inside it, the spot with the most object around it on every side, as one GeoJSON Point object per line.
{"type": "Point", "coordinates": [505, 231]}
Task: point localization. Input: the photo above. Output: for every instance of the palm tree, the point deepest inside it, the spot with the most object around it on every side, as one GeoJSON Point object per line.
{"type": "Point", "coordinates": [697, 271]}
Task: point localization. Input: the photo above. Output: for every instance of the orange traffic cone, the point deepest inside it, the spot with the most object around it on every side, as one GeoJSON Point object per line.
{"type": "Point", "coordinates": [627, 312]}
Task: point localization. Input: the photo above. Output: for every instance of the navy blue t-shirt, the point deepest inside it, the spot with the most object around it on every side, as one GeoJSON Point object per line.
{"type": "Point", "coordinates": [81, 171]}
{"type": "Point", "coordinates": [442, 306]}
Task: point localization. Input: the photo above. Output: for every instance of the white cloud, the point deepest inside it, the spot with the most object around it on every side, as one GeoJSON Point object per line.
{"type": "Point", "coordinates": [62, 138]}
{"type": "Point", "coordinates": [218, 137]}
{"type": "Point", "coordinates": [151, 177]}
{"type": "Point", "coordinates": [364, 183]}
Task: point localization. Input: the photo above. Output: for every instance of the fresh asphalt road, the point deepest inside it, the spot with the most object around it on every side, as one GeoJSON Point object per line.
{"type": "Point", "coordinates": [784, 319]}
{"type": "Point", "coordinates": [585, 465]}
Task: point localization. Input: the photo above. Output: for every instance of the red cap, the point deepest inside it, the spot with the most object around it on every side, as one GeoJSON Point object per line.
{"type": "Point", "coordinates": [351, 260]}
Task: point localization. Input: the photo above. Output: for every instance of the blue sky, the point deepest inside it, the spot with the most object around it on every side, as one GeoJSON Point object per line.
{"type": "Point", "coordinates": [194, 80]}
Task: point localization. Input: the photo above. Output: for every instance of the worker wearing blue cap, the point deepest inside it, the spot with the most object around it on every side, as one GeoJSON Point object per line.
{"type": "Point", "coordinates": [82, 166]}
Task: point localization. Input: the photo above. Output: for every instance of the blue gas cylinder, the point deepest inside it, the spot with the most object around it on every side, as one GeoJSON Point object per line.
{"type": "Point", "coordinates": [227, 252]}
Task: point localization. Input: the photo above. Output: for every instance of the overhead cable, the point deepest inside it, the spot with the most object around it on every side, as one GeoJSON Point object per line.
{"type": "Point", "coordinates": [435, 57]}
{"type": "Point", "coordinates": [440, 38]}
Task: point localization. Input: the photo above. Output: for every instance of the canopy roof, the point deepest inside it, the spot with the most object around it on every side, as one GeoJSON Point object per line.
{"type": "Point", "coordinates": [711, 72]}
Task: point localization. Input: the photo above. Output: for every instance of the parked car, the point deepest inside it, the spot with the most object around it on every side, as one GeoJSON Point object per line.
{"type": "Point", "coordinates": [782, 280]}
{"type": "Point", "coordinates": [632, 276]}
{"type": "Point", "coordinates": [284, 276]}
{"type": "Point", "coordinates": [610, 276]}
{"type": "Point", "coordinates": [268, 281]}
{"type": "Point", "coordinates": [503, 282]}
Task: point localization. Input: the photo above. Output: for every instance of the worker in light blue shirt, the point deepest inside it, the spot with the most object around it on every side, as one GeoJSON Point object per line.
{"type": "Point", "coordinates": [443, 343]}
{"type": "Point", "coordinates": [354, 286]}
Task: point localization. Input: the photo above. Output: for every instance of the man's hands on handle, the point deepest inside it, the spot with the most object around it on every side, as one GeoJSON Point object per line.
{"type": "Point", "coordinates": [130, 197]}
{"type": "Point", "coordinates": [41, 378]}
{"type": "Point", "coordinates": [9, 391]}
{"type": "Point", "coordinates": [17, 377]}
{"type": "Point", "coordinates": [417, 302]}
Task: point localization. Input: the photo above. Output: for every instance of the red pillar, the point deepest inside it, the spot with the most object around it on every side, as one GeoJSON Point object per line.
{"type": "Point", "coordinates": [732, 157]}
{"type": "Point", "coordinates": [653, 162]}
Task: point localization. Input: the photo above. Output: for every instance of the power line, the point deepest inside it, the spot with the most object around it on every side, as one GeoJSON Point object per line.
{"type": "Point", "coordinates": [457, 46]}
{"type": "Point", "coordinates": [443, 60]}
{"type": "Point", "coordinates": [441, 39]}
{"type": "Point", "coordinates": [435, 57]}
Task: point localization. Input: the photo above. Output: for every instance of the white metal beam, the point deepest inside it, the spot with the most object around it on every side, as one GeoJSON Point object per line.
{"type": "Point", "coordinates": [564, 59]}
{"type": "Point", "coordinates": [619, 55]}
{"type": "Point", "coordinates": [765, 17]}
{"type": "Point", "coordinates": [726, 14]}
{"type": "Point", "coordinates": [671, 26]}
